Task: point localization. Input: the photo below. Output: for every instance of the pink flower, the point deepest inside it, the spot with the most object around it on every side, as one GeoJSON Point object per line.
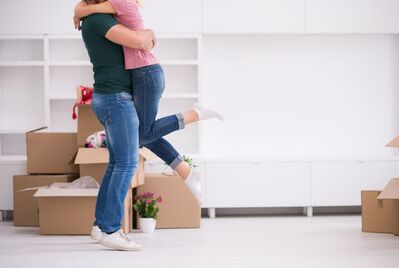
{"type": "Point", "coordinates": [159, 199]}
{"type": "Point", "coordinates": [148, 201]}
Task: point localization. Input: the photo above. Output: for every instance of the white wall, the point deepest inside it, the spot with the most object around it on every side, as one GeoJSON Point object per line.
{"type": "Point", "coordinates": [296, 95]}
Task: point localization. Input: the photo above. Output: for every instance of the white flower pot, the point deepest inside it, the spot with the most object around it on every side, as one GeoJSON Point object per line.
{"type": "Point", "coordinates": [147, 225]}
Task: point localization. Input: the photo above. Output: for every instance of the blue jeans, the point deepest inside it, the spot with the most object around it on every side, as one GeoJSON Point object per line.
{"type": "Point", "coordinates": [148, 86]}
{"type": "Point", "coordinates": [118, 115]}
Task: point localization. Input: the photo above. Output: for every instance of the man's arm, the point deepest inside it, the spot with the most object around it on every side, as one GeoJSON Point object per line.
{"type": "Point", "coordinates": [83, 10]}
{"type": "Point", "coordinates": [121, 35]}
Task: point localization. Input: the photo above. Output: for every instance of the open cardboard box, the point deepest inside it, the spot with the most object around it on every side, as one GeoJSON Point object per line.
{"type": "Point", "coordinates": [51, 152]}
{"type": "Point", "coordinates": [93, 162]}
{"type": "Point", "coordinates": [179, 208]}
{"type": "Point", "coordinates": [380, 209]}
{"type": "Point", "coordinates": [64, 211]}
{"type": "Point", "coordinates": [25, 206]}
{"type": "Point", "coordinates": [87, 124]}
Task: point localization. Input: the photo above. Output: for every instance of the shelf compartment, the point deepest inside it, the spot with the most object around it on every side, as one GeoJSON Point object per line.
{"type": "Point", "coordinates": [21, 103]}
{"type": "Point", "coordinates": [64, 79]}
{"type": "Point", "coordinates": [61, 116]}
{"type": "Point", "coordinates": [181, 79]}
{"type": "Point", "coordinates": [21, 50]}
{"type": "Point", "coordinates": [186, 141]}
{"type": "Point", "coordinates": [68, 50]}
{"type": "Point", "coordinates": [13, 144]}
{"type": "Point", "coordinates": [176, 49]}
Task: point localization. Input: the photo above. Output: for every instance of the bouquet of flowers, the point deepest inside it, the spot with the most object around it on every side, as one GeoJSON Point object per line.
{"type": "Point", "coordinates": [146, 205]}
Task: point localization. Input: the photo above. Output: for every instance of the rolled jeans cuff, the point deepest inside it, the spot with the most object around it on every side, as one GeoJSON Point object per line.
{"type": "Point", "coordinates": [180, 120]}
{"type": "Point", "coordinates": [176, 162]}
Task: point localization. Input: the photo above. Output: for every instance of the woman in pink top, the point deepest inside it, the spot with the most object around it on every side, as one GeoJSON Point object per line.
{"type": "Point", "coordinates": [148, 85]}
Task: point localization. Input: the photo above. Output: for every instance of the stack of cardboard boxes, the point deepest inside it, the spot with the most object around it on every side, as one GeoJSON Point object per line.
{"type": "Point", "coordinates": [380, 209]}
{"type": "Point", "coordinates": [61, 158]}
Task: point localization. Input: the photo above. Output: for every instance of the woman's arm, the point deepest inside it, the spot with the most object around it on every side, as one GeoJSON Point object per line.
{"type": "Point", "coordinates": [134, 39]}
{"type": "Point", "coordinates": [83, 10]}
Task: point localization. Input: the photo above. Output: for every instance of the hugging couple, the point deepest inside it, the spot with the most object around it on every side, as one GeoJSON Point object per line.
{"type": "Point", "coordinates": [128, 85]}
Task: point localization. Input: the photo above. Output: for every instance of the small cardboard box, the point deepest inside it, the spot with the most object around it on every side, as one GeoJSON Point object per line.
{"type": "Point", "coordinates": [93, 162]}
{"type": "Point", "coordinates": [179, 208]}
{"type": "Point", "coordinates": [64, 211]}
{"type": "Point", "coordinates": [87, 123]}
{"type": "Point", "coordinates": [25, 206]}
{"type": "Point", "coordinates": [50, 152]}
{"type": "Point", "coordinates": [380, 209]}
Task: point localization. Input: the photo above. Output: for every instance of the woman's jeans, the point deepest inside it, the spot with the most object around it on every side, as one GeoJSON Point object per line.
{"type": "Point", "coordinates": [118, 115]}
{"type": "Point", "coordinates": [148, 86]}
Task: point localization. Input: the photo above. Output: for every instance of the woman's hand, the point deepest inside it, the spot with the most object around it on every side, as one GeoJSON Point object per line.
{"type": "Point", "coordinates": [76, 22]}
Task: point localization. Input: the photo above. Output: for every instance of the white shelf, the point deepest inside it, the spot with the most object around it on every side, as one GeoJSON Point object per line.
{"type": "Point", "coordinates": [179, 62]}
{"type": "Point", "coordinates": [180, 96]}
{"type": "Point", "coordinates": [70, 63]}
{"type": "Point", "coordinates": [21, 37]}
{"type": "Point", "coordinates": [9, 159]}
{"type": "Point", "coordinates": [158, 36]}
{"type": "Point", "coordinates": [13, 131]}
{"type": "Point", "coordinates": [21, 63]}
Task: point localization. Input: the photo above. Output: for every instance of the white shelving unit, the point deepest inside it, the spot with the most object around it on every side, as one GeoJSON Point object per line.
{"type": "Point", "coordinates": [38, 76]}
{"type": "Point", "coordinates": [48, 67]}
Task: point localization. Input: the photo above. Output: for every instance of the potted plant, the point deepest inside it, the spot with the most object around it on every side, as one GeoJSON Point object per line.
{"type": "Point", "coordinates": [146, 207]}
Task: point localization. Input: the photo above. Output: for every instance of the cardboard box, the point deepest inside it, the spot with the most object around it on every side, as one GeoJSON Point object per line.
{"type": "Point", "coordinates": [87, 124]}
{"type": "Point", "coordinates": [94, 161]}
{"type": "Point", "coordinates": [25, 206]}
{"type": "Point", "coordinates": [380, 209]}
{"type": "Point", "coordinates": [179, 208]}
{"type": "Point", "coordinates": [51, 153]}
{"type": "Point", "coordinates": [71, 211]}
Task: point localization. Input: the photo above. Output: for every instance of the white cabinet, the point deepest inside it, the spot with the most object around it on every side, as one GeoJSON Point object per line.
{"type": "Point", "coordinates": [340, 184]}
{"type": "Point", "coordinates": [37, 17]}
{"type": "Point", "coordinates": [253, 16]}
{"type": "Point", "coordinates": [239, 184]}
{"type": "Point", "coordinates": [7, 171]}
{"type": "Point", "coordinates": [173, 16]}
{"type": "Point", "coordinates": [352, 16]}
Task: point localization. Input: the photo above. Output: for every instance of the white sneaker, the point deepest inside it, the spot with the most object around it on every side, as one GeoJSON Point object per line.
{"type": "Point", "coordinates": [119, 241]}
{"type": "Point", "coordinates": [194, 184]}
{"type": "Point", "coordinates": [96, 233]}
{"type": "Point", "coordinates": [205, 113]}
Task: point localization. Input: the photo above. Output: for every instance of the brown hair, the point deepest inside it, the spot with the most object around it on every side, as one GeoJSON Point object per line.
{"type": "Point", "coordinates": [90, 2]}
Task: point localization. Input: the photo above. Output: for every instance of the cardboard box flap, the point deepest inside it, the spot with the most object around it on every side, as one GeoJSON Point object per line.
{"type": "Point", "coordinates": [394, 142]}
{"type": "Point", "coordinates": [147, 154]}
{"type": "Point", "coordinates": [391, 190]}
{"type": "Point", "coordinates": [92, 156]}
{"type": "Point", "coordinates": [65, 192]}
{"type": "Point", "coordinates": [36, 130]}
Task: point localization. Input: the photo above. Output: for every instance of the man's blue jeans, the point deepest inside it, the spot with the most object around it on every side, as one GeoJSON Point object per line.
{"type": "Point", "coordinates": [118, 115]}
{"type": "Point", "coordinates": [148, 86]}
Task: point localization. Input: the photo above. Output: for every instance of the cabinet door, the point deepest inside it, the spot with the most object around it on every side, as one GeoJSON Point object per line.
{"type": "Point", "coordinates": [7, 171]}
{"type": "Point", "coordinates": [172, 16]}
{"type": "Point", "coordinates": [253, 16]}
{"type": "Point", "coordinates": [23, 17]}
{"type": "Point", "coordinates": [59, 16]}
{"type": "Point", "coordinates": [340, 184]}
{"type": "Point", "coordinates": [352, 16]}
{"type": "Point", "coordinates": [257, 185]}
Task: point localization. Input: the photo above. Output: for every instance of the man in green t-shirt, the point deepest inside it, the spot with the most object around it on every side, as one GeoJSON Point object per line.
{"type": "Point", "coordinates": [113, 105]}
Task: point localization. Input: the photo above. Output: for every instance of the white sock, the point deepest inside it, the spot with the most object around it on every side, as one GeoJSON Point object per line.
{"type": "Point", "coordinates": [205, 113]}
{"type": "Point", "coordinates": [194, 184]}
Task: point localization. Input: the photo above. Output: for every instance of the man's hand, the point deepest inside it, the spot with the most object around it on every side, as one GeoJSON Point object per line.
{"type": "Point", "coordinates": [76, 22]}
{"type": "Point", "coordinates": [149, 40]}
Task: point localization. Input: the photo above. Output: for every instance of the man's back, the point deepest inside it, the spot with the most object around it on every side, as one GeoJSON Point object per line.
{"type": "Point", "coordinates": [107, 57]}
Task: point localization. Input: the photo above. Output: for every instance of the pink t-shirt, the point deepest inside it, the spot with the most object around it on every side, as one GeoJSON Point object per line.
{"type": "Point", "coordinates": [128, 14]}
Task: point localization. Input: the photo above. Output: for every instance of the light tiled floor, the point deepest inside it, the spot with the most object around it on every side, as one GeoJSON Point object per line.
{"type": "Point", "coordinates": [321, 241]}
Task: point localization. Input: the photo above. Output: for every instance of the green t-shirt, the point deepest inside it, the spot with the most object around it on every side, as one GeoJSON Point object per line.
{"type": "Point", "coordinates": [107, 58]}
